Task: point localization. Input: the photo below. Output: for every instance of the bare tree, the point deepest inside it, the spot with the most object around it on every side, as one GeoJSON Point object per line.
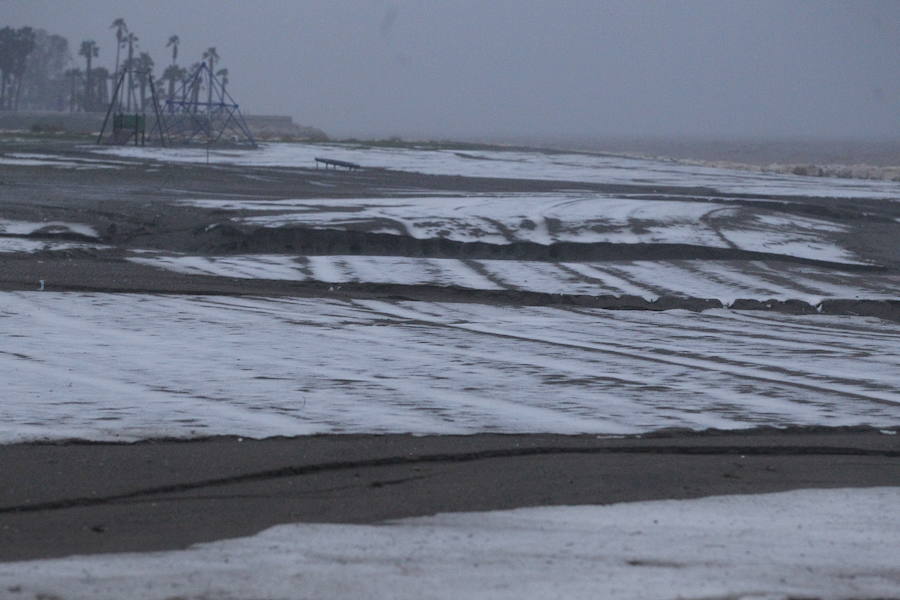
{"type": "Point", "coordinates": [15, 47]}
{"type": "Point", "coordinates": [43, 84]}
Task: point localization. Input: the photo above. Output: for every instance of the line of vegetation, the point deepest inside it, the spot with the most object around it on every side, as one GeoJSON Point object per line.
{"type": "Point", "coordinates": [38, 72]}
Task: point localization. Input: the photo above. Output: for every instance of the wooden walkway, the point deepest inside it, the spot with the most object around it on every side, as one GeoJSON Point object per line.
{"type": "Point", "coordinates": [334, 164]}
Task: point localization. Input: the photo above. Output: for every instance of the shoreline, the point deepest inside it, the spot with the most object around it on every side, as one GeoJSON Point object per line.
{"type": "Point", "coordinates": [85, 498]}
{"type": "Point", "coordinates": [812, 160]}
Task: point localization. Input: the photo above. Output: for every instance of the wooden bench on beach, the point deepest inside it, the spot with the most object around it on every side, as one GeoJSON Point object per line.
{"type": "Point", "coordinates": [330, 162]}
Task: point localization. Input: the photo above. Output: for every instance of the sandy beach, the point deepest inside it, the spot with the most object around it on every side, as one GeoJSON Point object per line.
{"type": "Point", "coordinates": [418, 343]}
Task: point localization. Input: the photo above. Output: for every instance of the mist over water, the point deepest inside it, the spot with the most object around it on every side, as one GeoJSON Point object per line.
{"type": "Point", "coordinates": [572, 71]}
{"type": "Point", "coordinates": [759, 151]}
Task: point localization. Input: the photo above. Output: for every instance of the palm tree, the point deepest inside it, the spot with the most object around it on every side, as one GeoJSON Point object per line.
{"type": "Point", "coordinates": [121, 29]}
{"type": "Point", "coordinates": [144, 67]}
{"type": "Point", "coordinates": [74, 76]}
{"type": "Point", "coordinates": [212, 56]}
{"type": "Point", "coordinates": [100, 94]}
{"type": "Point", "coordinates": [172, 74]}
{"type": "Point", "coordinates": [223, 75]}
{"type": "Point", "coordinates": [89, 51]}
{"type": "Point", "coordinates": [173, 42]}
{"type": "Point", "coordinates": [131, 40]}
{"type": "Point", "coordinates": [192, 78]}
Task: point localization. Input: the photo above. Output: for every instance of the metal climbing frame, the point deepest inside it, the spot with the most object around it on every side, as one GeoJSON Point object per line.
{"type": "Point", "coordinates": [186, 119]}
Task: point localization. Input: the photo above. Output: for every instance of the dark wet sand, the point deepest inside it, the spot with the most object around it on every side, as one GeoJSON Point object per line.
{"type": "Point", "coordinates": [61, 499]}
{"type": "Point", "coordinates": [136, 207]}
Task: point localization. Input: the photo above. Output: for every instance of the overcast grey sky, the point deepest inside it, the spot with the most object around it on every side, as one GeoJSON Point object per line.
{"type": "Point", "coordinates": [475, 68]}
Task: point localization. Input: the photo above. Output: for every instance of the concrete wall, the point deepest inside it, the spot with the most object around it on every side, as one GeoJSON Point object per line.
{"type": "Point", "coordinates": [75, 122]}
{"type": "Point", "coordinates": [265, 125]}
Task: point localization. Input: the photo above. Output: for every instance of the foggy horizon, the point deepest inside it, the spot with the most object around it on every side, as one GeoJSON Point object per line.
{"type": "Point", "coordinates": [527, 69]}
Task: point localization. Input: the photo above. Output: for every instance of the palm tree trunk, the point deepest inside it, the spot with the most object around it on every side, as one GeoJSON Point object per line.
{"type": "Point", "coordinates": [18, 90]}
{"type": "Point", "coordinates": [102, 93]}
{"type": "Point", "coordinates": [195, 92]}
{"type": "Point", "coordinates": [130, 82]}
{"type": "Point", "coordinates": [88, 89]}
{"type": "Point", "coordinates": [209, 100]}
{"type": "Point", "coordinates": [118, 46]}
